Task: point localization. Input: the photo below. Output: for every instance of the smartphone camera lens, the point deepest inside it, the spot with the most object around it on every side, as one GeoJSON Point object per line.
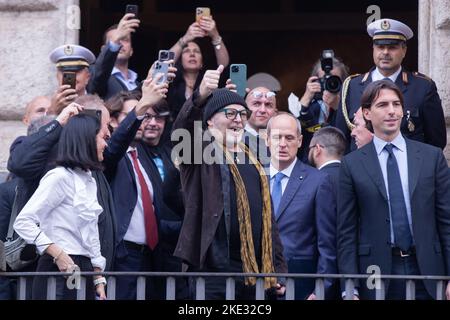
{"type": "Point", "coordinates": [234, 69]}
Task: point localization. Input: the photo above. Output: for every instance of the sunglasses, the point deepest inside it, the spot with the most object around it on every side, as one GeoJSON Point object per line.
{"type": "Point", "coordinates": [259, 95]}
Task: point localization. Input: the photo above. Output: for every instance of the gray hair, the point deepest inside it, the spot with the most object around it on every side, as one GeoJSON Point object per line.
{"type": "Point", "coordinates": [299, 126]}
{"type": "Point", "coordinates": [337, 64]}
{"type": "Point", "coordinates": [332, 139]}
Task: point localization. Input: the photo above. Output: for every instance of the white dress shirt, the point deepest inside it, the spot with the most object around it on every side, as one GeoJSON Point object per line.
{"type": "Point", "coordinates": [136, 229]}
{"type": "Point", "coordinates": [376, 75]}
{"type": "Point", "coordinates": [401, 156]}
{"type": "Point", "coordinates": [287, 174]}
{"type": "Point", "coordinates": [64, 210]}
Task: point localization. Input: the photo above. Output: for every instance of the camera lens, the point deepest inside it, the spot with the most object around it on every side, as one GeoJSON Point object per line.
{"type": "Point", "coordinates": [333, 84]}
{"type": "Point", "coordinates": [234, 69]}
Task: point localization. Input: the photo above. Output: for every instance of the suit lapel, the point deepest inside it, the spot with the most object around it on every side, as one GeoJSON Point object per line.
{"type": "Point", "coordinates": [296, 179]}
{"type": "Point", "coordinates": [372, 165]}
{"type": "Point", "coordinates": [415, 160]}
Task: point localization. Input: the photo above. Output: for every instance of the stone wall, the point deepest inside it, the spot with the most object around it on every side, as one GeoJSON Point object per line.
{"type": "Point", "coordinates": [434, 50]}
{"type": "Point", "coordinates": [30, 30]}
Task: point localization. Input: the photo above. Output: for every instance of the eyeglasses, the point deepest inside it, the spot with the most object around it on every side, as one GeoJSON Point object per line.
{"type": "Point", "coordinates": [258, 94]}
{"type": "Point", "coordinates": [157, 117]}
{"type": "Point", "coordinates": [231, 114]}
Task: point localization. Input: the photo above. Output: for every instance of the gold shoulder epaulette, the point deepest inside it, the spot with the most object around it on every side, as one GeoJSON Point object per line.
{"type": "Point", "coordinates": [344, 100]}
{"type": "Point", "coordinates": [365, 77]}
{"type": "Point", "coordinates": [421, 75]}
{"type": "Point", "coordinates": [405, 77]}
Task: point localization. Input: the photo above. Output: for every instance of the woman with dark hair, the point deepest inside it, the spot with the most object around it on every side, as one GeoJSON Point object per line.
{"type": "Point", "coordinates": [190, 68]}
{"type": "Point", "coordinates": [61, 217]}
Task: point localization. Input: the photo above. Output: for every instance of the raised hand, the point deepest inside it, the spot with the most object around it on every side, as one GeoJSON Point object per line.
{"type": "Point", "coordinates": [210, 82]}
{"type": "Point", "coordinates": [127, 25]}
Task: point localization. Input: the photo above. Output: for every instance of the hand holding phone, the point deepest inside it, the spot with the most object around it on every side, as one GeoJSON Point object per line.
{"type": "Point", "coordinates": [132, 8]}
{"type": "Point", "coordinates": [202, 12]}
{"type": "Point", "coordinates": [238, 76]}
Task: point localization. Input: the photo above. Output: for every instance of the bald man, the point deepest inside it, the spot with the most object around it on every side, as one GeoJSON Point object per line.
{"type": "Point", "coordinates": [36, 108]}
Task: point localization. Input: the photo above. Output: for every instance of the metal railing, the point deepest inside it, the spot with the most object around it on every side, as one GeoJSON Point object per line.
{"type": "Point", "coordinates": [379, 283]}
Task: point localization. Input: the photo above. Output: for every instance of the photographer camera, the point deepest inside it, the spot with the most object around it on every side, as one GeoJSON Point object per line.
{"type": "Point", "coordinates": [318, 105]}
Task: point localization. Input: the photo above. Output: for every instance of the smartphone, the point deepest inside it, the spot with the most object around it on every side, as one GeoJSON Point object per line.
{"type": "Point", "coordinates": [132, 8]}
{"type": "Point", "coordinates": [161, 67]}
{"type": "Point", "coordinates": [202, 12]}
{"type": "Point", "coordinates": [70, 78]}
{"type": "Point", "coordinates": [238, 76]}
{"type": "Point", "coordinates": [165, 55]}
{"type": "Point", "coordinates": [93, 113]}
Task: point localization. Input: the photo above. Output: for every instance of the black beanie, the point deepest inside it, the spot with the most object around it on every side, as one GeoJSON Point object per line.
{"type": "Point", "coordinates": [219, 99]}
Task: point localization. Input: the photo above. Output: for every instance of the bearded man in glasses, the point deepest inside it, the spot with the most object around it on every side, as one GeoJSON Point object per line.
{"type": "Point", "coordinates": [228, 223]}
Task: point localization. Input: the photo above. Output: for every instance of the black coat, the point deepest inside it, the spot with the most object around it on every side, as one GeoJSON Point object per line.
{"type": "Point", "coordinates": [202, 185]}
{"type": "Point", "coordinates": [32, 156]}
{"type": "Point", "coordinates": [102, 82]}
{"type": "Point", "coordinates": [363, 227]}
{"type": "Point", "coordinates": [422, 103]}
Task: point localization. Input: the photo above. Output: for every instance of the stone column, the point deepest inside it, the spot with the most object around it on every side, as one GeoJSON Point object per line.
{"type": "Point", "coordinates": [434, 50]}
{"type": "Point", "coordinates": [30, 30]}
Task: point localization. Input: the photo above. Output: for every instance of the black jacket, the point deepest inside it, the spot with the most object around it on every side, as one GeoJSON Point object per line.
{"type": "Point", "coordinates": [32, 156]}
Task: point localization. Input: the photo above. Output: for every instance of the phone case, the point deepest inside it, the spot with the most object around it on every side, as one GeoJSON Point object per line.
{"type": "Point", "coordinates": [165, 55]}
{"type": "Point", "coordinates": [161, 68]}
{"type": "Point", "coordinates": [202, 12]}
{"type": "Point", "coordinates": [238, 76]}
{"type": "Point", "coordinates": [132, 8]}
{"type": "Point", "coordinates": [70, 79]}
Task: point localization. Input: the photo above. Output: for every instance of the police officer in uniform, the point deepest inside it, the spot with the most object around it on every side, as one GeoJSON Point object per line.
{"type": "Point", "coordinates": [423, 114]}
{"type": "Point", "coordinates": [73, 61]}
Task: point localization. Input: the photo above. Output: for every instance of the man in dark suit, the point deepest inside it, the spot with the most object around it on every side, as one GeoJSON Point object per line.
{"type": "Point", "coordinates": [326, 149]}
{"type": "Point", "coordinates": [423, 119]}
{"type": "Point", "coordinates": [304, 206]}
{"type": "Point", "coordinates": [111, 74]}
{"type": "Point", "coordinates": [393, 202]}
{"type": "Point", "coordinates": [143, 160]}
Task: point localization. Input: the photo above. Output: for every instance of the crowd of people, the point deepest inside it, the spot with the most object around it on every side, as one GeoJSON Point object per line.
{"type": "Point", "coordinates": [118, 174]}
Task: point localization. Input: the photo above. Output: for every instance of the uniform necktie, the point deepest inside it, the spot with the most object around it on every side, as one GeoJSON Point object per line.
{"type": "Point", "coordinates": [402, 234]}
{"type": "Point", "coordinates": [151, 226]}
{"type": "Point", "coordinates": [277, 191]}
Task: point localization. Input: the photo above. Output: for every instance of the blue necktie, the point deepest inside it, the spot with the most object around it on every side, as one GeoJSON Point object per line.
{"type": "Point", "coordinates": [400, 224]}
{"type": "Point", "coordinates": [277, 191]}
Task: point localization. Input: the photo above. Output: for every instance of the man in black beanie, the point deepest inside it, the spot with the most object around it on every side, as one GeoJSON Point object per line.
{"type": "Point", "coordinates": [228, 224]}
